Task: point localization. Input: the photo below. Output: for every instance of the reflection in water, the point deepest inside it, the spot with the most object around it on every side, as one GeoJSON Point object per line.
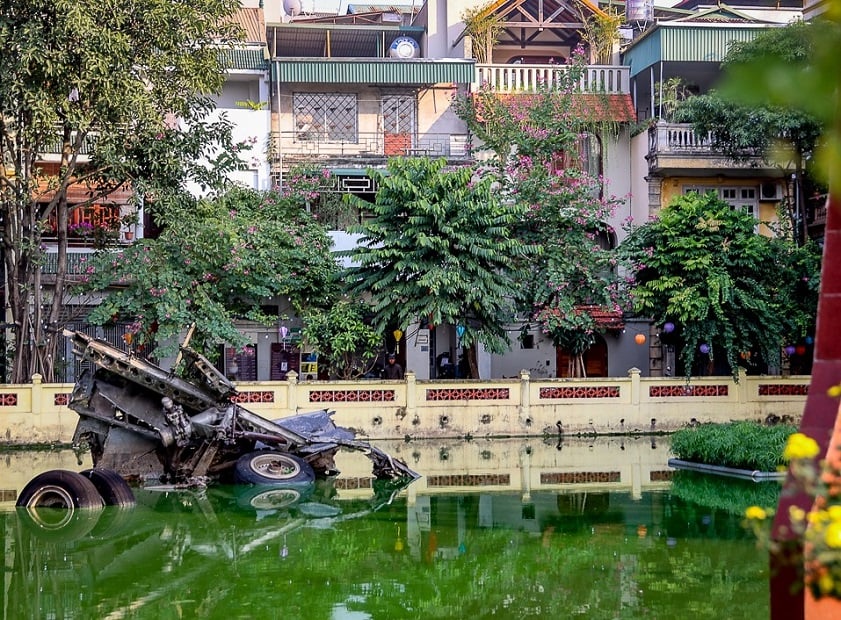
{"type": "Point", "coordinates": [510, 529]}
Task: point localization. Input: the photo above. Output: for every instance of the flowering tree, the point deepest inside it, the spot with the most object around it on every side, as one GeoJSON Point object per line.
{"type": "Point", "coordinates": [237, 251]}
{"type": "Point", "coordinates": [546, 146]}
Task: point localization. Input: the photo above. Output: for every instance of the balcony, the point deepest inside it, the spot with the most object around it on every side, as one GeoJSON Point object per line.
{"type": "Point", "coordinates": [366, 148]}
{"type": "Point", "coordinates": [507, 78]}
{"type": "Point", "coordinates": [675, 148]}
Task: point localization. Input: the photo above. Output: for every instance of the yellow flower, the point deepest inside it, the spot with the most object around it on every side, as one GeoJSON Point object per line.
{"type": "Point", "coordinates": [834, 512]}
{"type": "Point", "coordinates": [797, 514]}
{"type": "Point", "coordinates": [832, 535]}
{"type": "Point", "coordinates": [825, 583]}
{"type": "Point", "coordinates": [755, 512]}
{"type": "Point", "coordinates": [800, 446]}
{"type": "Point", "coordinates": [834, 391]}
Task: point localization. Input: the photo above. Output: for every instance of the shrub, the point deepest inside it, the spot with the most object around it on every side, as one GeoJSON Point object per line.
{"type": "Point", "coordinates": [741, 445]}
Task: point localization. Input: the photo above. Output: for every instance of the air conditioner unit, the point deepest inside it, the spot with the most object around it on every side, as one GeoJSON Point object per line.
{"type": "Point", "coordinates": [771, 190]}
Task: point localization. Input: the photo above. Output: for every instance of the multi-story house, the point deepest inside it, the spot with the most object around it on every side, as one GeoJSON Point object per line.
{"type": "Point", "coordinates": [347, 92]}
{"type": "Point", "coordinates": [682, 53]}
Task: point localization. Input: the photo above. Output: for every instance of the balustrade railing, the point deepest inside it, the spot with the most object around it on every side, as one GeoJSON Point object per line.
{"type": "Point", "coordinates": [665, 138]}
{"type": "Point", "coordinates": [506, 78]}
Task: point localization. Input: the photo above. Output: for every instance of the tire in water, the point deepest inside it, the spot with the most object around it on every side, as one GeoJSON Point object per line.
{"type": "Point", "coordinates": [268, 467]}
{"type": "Point", "coordinates": [111, 486]}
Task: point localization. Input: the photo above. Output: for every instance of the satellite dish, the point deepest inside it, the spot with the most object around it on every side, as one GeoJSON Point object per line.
{"type": "Point", "coordinates": [292, 7]}
{"type": "Point", "coordinates": [404, 47]}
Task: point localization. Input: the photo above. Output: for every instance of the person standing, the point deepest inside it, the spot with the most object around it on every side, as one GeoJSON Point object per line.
{"type": "Point", "coordinates": [392, 369]}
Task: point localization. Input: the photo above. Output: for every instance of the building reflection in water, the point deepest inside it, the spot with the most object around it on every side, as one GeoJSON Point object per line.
{"type": "Point", "coordinates": [511, 528]}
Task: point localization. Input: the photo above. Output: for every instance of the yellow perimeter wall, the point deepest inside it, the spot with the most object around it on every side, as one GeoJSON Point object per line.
{"type": "Point", "coordinates": [519, 407]}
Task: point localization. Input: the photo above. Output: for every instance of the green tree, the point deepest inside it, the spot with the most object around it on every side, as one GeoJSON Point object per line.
{"type": "Point", "coordinates": [439, 244]}
{"type": "Point", "coordinates": [728, 290]}
{"type": "Point", "coordinates": [343, 338]}
{"type": "Point", "coordinates": [101, 84]}
{"type": "Point", "coordinates": [546, 146]}
{"type": "Point", "coordinates": [781, 134]}
{"type": "Point", "coordinates": [237, 251]}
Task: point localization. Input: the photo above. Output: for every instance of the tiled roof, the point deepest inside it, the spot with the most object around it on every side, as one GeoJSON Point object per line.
{"type": "Point", "coordinates": [604, 318]}
{"type": "Point", "coordinates": [253, 24]}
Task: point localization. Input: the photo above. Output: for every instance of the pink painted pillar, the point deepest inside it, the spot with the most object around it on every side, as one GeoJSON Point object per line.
{"type": "Point", "coordinates": [818, 421]}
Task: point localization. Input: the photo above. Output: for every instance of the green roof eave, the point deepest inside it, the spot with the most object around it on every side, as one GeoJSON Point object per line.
{"type": "Point", "coordinates": [373, 71]}
{"type": "Point", "coordinates": [672, 42]}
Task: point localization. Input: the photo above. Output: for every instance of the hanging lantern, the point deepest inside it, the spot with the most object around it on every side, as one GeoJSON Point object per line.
{"type": "Point", "coordinates": [460, 329]}
{"type": "Point", "coordinates": [668, 328]}
{"type": "Point", "coordinates": [639, 338]}
{"type": "Point", "coordinates": [808, 340]}
{"type": "Point", "coordinates": [128, 337]}
{"type": "Point", "coordinates": [704, 348]}
{"type": "Point", "coordinates": [283, 331]}
{"type": "Point", "coordinates": [789, 350]}
{"type": "Point", "coordinates": [800, 350]}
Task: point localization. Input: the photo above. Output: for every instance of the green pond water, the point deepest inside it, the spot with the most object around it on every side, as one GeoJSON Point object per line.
{"type": "Point", "coordinates": [679, 551]}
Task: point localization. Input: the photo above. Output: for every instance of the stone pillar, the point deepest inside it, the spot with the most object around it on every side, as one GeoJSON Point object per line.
{"type": "Point", "coordinates": [37, 394]}
{"type": "Point", "coordinates": [292, 392]}
{"type": "Point", "coordinates": [525, 404]}
{"type": "Point", "coordinates": [411, 394]}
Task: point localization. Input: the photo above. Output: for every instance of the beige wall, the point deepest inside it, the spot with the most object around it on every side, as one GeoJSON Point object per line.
{"type": "Point", "coordinates": [517, 407]}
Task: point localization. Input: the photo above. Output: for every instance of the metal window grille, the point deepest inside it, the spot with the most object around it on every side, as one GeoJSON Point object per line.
{"type": "Point", "coordinates": [325, 117]}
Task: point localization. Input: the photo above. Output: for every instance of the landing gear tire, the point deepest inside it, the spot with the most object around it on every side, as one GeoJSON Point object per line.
{"type": "Point", "coordinates": [267, 467]}
{"type": "Point", "coordinates": [59, 488]}
{"type": "Point", "coordinates": [111, 486]}
{"type": "Point", "coordinates": [59, 506]}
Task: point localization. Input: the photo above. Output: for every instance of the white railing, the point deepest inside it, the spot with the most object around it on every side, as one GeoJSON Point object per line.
{"type": "Point", "coordinates": [677, 138]}
{"type": "Point", "coordinates": [613, 80]}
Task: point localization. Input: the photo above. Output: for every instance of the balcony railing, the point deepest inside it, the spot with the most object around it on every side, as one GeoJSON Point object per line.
{"type": "Point", "coordinates": [505, 78]}
{"type": "Point", "coordinates": [366, 148]}
{"type": "Point", "coordinates": [679, 138]}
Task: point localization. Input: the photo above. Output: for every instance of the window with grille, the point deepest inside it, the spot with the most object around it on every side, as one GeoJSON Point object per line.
{"type": "Point", "coordinates": [325, 117]}
{"type": "Point", "coordinates": [399, 124]}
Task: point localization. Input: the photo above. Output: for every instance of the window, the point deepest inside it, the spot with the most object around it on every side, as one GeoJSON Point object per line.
{"type": "Point", "coordinates": [325, 116]}
{"type": "Point", "coordinates": [744, 198]}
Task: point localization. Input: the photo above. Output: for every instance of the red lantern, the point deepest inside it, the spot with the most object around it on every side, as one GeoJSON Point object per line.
{"type": "Point", "coordinates": [639, 338]}
{"type": "Point", "coordinates": [800, 350]}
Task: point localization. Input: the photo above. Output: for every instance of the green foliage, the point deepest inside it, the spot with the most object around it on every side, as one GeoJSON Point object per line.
{"type": "Point", "coordinates": [439, 244]}
{"type": "Point", "coordinates": [741, 445]}
{"type": "Point", "coordinates": [227, 257]}
{"type": "Point", "coordinates": [340, 335]}
{"type": "Point", "coordinates": [108, 80]}
{"type": "Point", "coordinates": [483, 26]}
{"type": "Point", "coordinates": [702, 267]}
{"type": "Point", "coordinates": [722, 493]}
{"type": "Point", "coordinates": [795, 69]}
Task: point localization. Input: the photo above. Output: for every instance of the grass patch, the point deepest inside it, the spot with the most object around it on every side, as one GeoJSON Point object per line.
{"type": "Point", "coordinates": [741, 445]}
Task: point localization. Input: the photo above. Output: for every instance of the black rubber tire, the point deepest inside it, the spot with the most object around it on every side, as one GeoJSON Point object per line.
{"type": "Point", "coordinates": [60, 488]}
{"type": "Point", "coordinates": [58, 525]}
{"type": "Point", "coordinates": [111, 486]}
{"type": "Point", "coordinates": [267, 467]}
{"type": "Point", "coordinates": [270, 498]}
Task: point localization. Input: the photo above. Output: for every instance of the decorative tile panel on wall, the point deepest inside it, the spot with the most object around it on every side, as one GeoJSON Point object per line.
{"type": "Point", "coordinates": [266, 396]}
{"type": "Point", "coordinates": [8, 400]}
{"type": "Point", "coordinates": [353, 483]}
{"type": "Point", "coordinates": [579, 477]}
{"type": "Point", "coordinates": [801, 389]}
{"type": "Point", "coordinates": [661, 476]}
{"type": "Point", "coordinates": [605, 391]}
{"type": "Point", "coordinates": [657, 391]}
{"type": "Point", "coordinates": [61, 400]}
{"type": "Point", "coordinates": [352, 396]}
{"type": "Point", "coordinates": [469, 480]}
{"type": "Point", "coordinates": [468, 394]}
